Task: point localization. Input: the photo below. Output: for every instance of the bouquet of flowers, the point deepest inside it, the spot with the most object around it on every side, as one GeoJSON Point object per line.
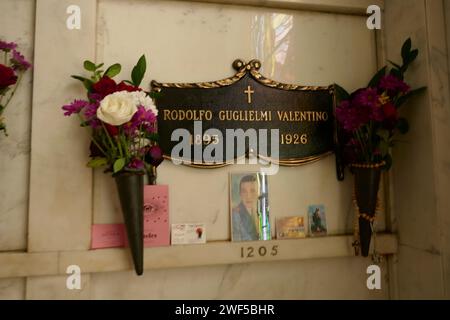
{"type": "Point", "coordinates": [11, 72]}
{"type": "Point", "coordinates": [368, 120]}
{"type": "Point", "coordinates": [122, 119]}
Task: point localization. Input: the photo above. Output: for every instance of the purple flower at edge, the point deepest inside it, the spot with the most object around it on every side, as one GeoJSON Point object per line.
{"type": "Point", "coordinates": [75, 107]}
{"type": "Point", "coordinates": [393, 85]}
{"type": "Point", "coordinates": [19, 61]}
{"type": "Point", "coordinates": [7, 46]}
{"type": "Point", "coordinates": [366, 97]}
{"type": "Point", "coordinates": [154, 156]}
{"type": "Point", "coordinates": [137, 164]}
{"type": "Point", "coordinates": [91, 110]}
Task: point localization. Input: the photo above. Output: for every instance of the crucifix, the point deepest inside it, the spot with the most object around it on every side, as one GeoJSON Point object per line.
{"type": "Point", "coordinates": [249, 92]}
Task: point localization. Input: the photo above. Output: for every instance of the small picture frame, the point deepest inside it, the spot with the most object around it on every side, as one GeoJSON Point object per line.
{"type": "Point", "coordinates": [317, 220]}
{"type": "Point", "coordinates": [249, 206]}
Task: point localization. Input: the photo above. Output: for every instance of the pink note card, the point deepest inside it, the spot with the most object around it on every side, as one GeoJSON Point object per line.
{"type": "Point", "coordinates": [156, 223]}
{"type": "Point", "coordinates": [156, 216]}
{"type": "Point", "coordinates": [108, 235]}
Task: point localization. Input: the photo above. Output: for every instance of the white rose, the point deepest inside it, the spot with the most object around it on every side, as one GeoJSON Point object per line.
{"type": "Point", "coordinates": [117, 108]}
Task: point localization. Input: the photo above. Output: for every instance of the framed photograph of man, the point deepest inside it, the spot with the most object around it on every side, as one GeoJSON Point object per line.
{"type": "Point", "coordinates": [249, 207]}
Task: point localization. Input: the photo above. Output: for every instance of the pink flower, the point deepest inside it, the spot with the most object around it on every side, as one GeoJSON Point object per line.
{"type": "Point", "coordinates": [7, 46]}
{"type": "Point", "coordinates": [75, 107]}
{"type": "Point", "coordinates": [19, 61]}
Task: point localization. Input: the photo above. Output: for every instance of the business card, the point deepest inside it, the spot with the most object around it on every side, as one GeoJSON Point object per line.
{"type": "Point", "coordinates": [188, 233]}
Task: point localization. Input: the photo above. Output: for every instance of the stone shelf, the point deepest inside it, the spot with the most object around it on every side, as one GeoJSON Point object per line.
{"type": "Point", "coordinates": [15, 264]}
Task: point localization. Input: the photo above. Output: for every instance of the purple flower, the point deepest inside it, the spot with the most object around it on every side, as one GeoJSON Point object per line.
{"type": "Point", "coordinates": [95, 96]}
{"type": "Point", "coordinates": [19, 61]}
{"type": "Point", "coordinates": [154, 156]}
{"type": "Point", "coordinates": [351, 116]}
{"type": "Point", "coordinates": [143, 118]}
{"type": "Point", "coordinates": [75, 107]}
{"type": "Point", "coordinates": [7, 46]}
{"type": "Point", "coordinates": [91, 110]}
{"type": "Point", "coordinates": [136, 164]}
{"type": "Point", "coordinates": [366, 97]}
{"type": "Point", "coordinates": [94, 123]}
{"type": "Point", "coordinates": [393, 85]}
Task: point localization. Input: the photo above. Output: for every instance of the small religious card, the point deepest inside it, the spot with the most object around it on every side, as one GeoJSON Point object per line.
{"type": "Point", "coordinates": [156, 216]}
{"type": "Point", "coordinates": [290, 227]}
{"type": "Point", "coordinates": [249, 207]}
{"type": "Point", "coordinates": [317, 221]}
{"type": "Point", "coordinates": [188, 233]}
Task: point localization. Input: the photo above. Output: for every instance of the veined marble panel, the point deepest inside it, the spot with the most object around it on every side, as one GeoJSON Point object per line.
{"type": "Point", "coordinates": [16, 24]}
{"type": "Point", "coordinates": [313, 279]}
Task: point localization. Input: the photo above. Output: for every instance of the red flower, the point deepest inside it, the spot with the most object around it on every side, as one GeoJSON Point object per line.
{"type": "Point", "coordinates": [124, 87]}
{"type": "Point", "coordinates": [7, 76]}
{"type": "Point", "coordinates": [112, 130]}
{"type": "Point", "coordinates": [390, 112]}
{"type": "Point", "coordinates": [105, 86]}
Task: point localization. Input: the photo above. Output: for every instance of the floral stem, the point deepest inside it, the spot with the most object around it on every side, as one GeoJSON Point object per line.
{"type": "Point", "coordinates": [113, 147]}
{"type": "Point", "coordinates": [13, 92]}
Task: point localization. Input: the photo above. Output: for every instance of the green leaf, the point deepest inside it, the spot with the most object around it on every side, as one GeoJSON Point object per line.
{"type": "Point", "coordinates": [341, 93]}
{"type": "Point", "coordinates": [406, 48]}
{"type": "Point", "coordinates": [402, 125]}
{"type": "Point", "coordinates": [154, 94]}
{"type": "Point", "coordinates": [153, 136]}
{"type": "Point", "coordinates": [411, 93]}
{"type": "Point", "coordinates": [113, 70]}
{"type": "Point", "coordinates": [89, 66]}
{"type": "Point", "coordinates": [394, 64]}
{"type": "Point", "coordinates": [413, 55]}
{"type": "Point", "coordinates": [119, 164]}
{"type": "Point", "coordinates": [138, 71]}
{"type": "Point", "coordinates": [397, 73]}
{"type": "Point", "coordinates": [97, 162]}
{"type": "Point", "coordinates": [376, 78]}
{"type": "Point", "coordinates": [86, 82]}
{"type": "Point", "coordinates": [99, 66]}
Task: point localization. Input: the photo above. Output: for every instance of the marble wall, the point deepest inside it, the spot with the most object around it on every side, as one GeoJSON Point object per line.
{"type": "Point", "coordinates": [421, 174]}
{"type": "Point", "coordinates": [15, 149]}
{"type": "Point", "coordinates": [294, 46]}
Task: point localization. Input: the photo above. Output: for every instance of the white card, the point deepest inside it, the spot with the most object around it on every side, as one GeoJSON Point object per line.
{"type": "Point", "coordinates": [188, 233]}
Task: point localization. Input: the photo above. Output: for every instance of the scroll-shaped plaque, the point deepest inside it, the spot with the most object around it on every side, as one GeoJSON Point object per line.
{"type": "Point", "coordinates": [248, 105]}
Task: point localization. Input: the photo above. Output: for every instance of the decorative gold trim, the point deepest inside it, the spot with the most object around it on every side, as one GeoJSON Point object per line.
{"type": "Point", "coordinates": [242, 69]}
{"type": "Point", "coordinates": [286, 162]}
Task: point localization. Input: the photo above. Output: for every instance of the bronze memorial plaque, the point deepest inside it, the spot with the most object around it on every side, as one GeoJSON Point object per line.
{"type": "Point", "coordinates": [299, 119]}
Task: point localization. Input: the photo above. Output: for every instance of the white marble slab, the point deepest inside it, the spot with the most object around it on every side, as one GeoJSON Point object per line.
{"type": "Point", "coordinates": [60, 183]}
{"type": "Point", "coordinates": [16, 24]}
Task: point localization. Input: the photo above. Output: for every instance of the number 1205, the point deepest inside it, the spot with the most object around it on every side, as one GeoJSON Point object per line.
{"type": "Point", "coordinates": [262, 251]}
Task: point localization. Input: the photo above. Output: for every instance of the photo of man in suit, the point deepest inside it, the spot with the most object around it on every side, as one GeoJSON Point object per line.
{"type": "Point", "coordinates": [245, 218]}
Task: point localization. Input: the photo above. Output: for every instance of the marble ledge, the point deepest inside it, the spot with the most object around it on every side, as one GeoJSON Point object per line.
{"type": "Point", "coordinates": [333, 6]}
{"type": "Point", "coordinates": [212, 253]}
